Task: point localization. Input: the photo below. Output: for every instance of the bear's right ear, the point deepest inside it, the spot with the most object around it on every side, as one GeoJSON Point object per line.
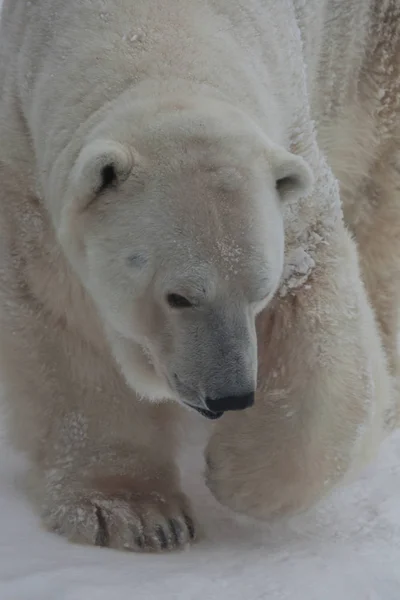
{"type": "Point", "coordinates": [101, 165]}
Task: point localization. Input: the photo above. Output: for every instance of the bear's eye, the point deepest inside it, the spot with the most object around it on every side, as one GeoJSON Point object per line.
{"type": "Point", "coordinates": [108, 177]}
{"type": "Point", "coordinates": [178, 301]}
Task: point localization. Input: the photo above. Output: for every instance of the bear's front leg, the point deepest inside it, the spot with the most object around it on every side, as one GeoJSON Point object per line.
{"type": "Point", "coordinates": [123, 495]}
{"type": "Point", "coordinates": [323, 391]}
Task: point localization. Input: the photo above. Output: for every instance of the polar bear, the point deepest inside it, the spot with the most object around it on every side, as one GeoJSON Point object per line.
{"type": "Point", "coordinates": [172, 238]}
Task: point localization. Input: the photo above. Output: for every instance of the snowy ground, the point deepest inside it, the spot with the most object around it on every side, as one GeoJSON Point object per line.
{"type": "Point", "coordinates": [347, 549]}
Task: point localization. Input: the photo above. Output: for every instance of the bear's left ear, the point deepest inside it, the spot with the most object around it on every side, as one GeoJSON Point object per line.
{"type": "Point", "coordinates": [98, 171]}
{"type": "Point", "coordinates": [293, 177]}
{"type": "Point", "coordinates": [101, 165]}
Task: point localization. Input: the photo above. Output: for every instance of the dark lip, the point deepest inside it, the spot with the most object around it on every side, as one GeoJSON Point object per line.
{"type": "Point", "coordinates": [207, 413]}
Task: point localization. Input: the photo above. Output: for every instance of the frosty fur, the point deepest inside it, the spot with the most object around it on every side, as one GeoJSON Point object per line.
{"type": "Point", "coordinates": [220, 100]}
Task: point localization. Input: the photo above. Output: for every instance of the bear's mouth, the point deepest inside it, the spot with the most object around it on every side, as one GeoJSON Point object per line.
{"type": "Point", "coordinates": [209, 414]}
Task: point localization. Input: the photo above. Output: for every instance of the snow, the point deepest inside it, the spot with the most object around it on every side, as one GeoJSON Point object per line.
{"type": "Point", "coordinates": [348, 547]}
{"type": "Point", "coordinates": [298, 266]}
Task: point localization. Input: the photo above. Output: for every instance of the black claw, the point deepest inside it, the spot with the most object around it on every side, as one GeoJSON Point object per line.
{"type": "Point", "coordinates": [190, 526]}
{"type": "Point", "coordinates": [208, 462]}
{"type": "Point", "coordinates": [139, 542]}
{"type": "Point", "coordinates": [162, 537]}
{"type": "Point", "coordinates": [102, 537]}
{"type": "Point", "coordinates": [176, 530]}
{"type": "Point", "coordinates": [140, 537]}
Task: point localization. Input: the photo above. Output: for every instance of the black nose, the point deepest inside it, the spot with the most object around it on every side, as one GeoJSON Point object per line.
{"type": "Point", "coordinates": [230, 402]}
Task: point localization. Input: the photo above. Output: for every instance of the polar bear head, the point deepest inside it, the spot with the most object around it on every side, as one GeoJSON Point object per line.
{"type": "Point", "coordinates": [172, 217]}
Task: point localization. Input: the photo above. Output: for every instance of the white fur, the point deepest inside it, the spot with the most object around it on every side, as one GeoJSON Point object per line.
{"type": "Point", "coordinates": [227, 128]}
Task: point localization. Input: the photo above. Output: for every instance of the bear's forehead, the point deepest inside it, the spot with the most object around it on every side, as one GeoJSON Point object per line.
{"type": "Point", "coordinates": [208, 257]}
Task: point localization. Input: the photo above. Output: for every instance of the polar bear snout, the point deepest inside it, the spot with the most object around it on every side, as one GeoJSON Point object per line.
{"type": "Point", "coordinates": [213, 358]}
